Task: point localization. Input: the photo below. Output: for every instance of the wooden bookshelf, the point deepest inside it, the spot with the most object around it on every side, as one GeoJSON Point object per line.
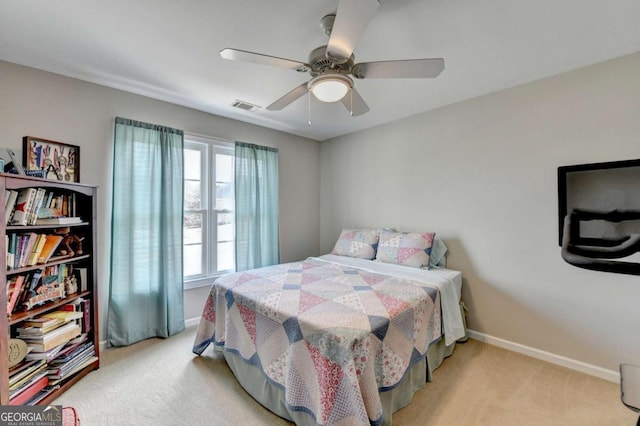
{"type": "Point", "coordinates": [86, 203]}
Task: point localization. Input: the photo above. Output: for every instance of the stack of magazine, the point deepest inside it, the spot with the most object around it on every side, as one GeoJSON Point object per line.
{"type": "Point", "coordinates": [70, 360]}
{"type": "Point", "coordinates": [27, 379]}
{"type": "Point", "coordinates": [58, 350]}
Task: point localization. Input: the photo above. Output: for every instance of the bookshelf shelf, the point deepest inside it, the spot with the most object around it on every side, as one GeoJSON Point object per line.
{"type": "Point", "coordinates": [24, 228]}
{"type": "Point", "coordinates": [84, 205]}
{"type": "Point", "coordinates": [58, 261]}
{"type": "Point", "coordinates": [18, 317]}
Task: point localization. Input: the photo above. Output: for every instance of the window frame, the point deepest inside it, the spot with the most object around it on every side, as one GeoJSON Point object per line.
{"type": "Point", "coordinates": [209, 146]}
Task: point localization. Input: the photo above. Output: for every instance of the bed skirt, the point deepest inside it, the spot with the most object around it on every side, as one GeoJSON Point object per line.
{"type": "Point", "coordinates": [272, 396]}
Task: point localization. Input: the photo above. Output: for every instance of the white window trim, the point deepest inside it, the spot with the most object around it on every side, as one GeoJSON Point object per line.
{"type": "Point", "coordinates": [205, 280]}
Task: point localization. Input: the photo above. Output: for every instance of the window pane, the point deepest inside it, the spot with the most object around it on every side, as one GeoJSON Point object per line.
{"type": "Point", "coordinates": [192, 161]}
{"type": "Point", "coordinates": [192, 195]}
{"type": "Point", "coordinates": [192, 260]}
{"type": "Point", "coordinates": [226, 256]}
{"type": "Point", "coordinates": [193, 228]}
{"type": "Point", "coordinates": [225, 232]}
{"type": "Point", "coordinates": [224, 196]}
{"type": "Point", "coordinates": [224, 168]}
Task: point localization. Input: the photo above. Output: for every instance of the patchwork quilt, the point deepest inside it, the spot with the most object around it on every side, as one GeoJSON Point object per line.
{"type": "Point", "coordinates": [331, 336]}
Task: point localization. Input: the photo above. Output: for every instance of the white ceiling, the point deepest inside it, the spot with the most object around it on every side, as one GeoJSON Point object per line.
{"type": "Point", "coordinates": [168, 50]}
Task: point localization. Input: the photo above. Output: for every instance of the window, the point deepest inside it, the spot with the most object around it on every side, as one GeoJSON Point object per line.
{"type": "Point", "coordinates": [209, 228]}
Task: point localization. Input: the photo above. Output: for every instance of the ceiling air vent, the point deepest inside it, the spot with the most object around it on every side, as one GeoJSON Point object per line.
{"type": "Point", "coordinates": [244, 105]}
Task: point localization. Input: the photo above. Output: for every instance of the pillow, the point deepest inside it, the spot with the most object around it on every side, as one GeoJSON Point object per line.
{"type": "Point", "coordinates": [360, 243]}
{"type": "Point", "coordinates": [438, 252]}
{"type": "Point", "coordinates": [405, 248]}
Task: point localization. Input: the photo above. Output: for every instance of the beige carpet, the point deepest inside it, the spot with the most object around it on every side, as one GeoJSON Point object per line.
{"type": "Point", "coordinates": [160, 382]}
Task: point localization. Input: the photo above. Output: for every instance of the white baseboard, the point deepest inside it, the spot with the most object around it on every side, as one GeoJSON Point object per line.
{"type": "Point", "coordinates": [609, 375]}
{"type": "Point", "coordinates": [192, 321]}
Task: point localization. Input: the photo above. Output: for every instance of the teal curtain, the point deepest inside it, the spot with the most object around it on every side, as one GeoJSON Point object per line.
{"type": "Point", "coordinates": [145, 292]}
{"type": "Point", "coordinates": [256, 192]}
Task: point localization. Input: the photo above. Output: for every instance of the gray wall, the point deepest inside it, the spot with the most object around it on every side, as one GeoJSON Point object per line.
{"type": "Point", "coordinates": [41, 104]}
{"type": "Point", "coordinates": [482, 175]}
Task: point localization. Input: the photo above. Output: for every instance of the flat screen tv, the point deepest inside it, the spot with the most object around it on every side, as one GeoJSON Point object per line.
{"type": "Point", "coordinates": [599, 215]}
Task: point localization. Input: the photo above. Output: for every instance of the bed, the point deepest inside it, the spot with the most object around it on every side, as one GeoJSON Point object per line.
{"type": "Point", "coordinates": [335, 339]}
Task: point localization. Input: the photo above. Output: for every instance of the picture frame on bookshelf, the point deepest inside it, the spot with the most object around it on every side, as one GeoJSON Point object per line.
{"type": "Point", "coordinates": [10, 162]}
{"type": "Point", "coordinates": [50, 159]}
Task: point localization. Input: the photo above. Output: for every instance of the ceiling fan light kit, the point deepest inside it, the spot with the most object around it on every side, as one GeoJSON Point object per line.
{"type": "Point", "coordinates": [330, 88]}
{"type": "Point", "coordinates": [330, 66]}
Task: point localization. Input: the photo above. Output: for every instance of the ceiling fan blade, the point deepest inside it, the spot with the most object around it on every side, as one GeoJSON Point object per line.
{"type": "Point", "coordinates": [358, 107]}
{"type": "Point", "coordinates": [411, 68]}
{"type": "Point", "coordinates": [289, 97]}
{"type": "Point", "coordinates": [258, 58]}
{"type": "Point", "coordinates": [352, 18]}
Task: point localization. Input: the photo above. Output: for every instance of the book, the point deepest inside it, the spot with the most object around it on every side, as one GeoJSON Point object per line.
{"type": "Point", "coordinates": [17, 248]}
{"type": "Point", "coordinates": [37, 203]}
{"type": "Point", "coordinates": [45, 337]}
{"type": "Point", "coordinates": [51, 244]}
{"type": "Point", "coordinates": [46, 356]}
{"type": "Point", "coordinates": [80, 367]}
{"type": "Point", "coordinates": [17, 289]}
{"type": "Point", "coordinates": [64, 315]}
{"type": "Point", "coordinates": [57, 370]}
{"type": "Point", "coordinates": [67, 369]}
{"type": "Point", "coordinates": [47, 204]}
{"type": "Point", "coordinates": [70, 307]}
{"type": "Point", "coordinates": [42, 322]}
{"type": "Point", "coordinates": [60, 338]}
{"type": "Point", "coordinates": [85, 307]}
{"type": "Point", "coordinates": [10, 204]}
{"type": "Point", "coordinates": [28, 381]}
{"type": "Point", "coordinates": [70, 352]}
{"type": "Point", "coordinates": [11, 284]}
{"type": "Point", "coordinates": [37, 249]}
{"type": "Point", "coordinates": [48, 212]}
{"type": "Point", "coordinates": [21, 377]}
{"type": "Point", "coordinates": [30, 289]}
{"type": "Point", "coordinates": [24, 204]}
{"type": "Point", "coordinates": [62, 220]}
{"type": "Point", "coordinates": [16, 244]}
{"type": "Point", "coordinates": [38, 331]}
{"type": "Point", "coordinates": [80, 339]}
{"type": "Point", "coordinates": [11, 251]}
{"type": "Point", "coordinates": [27, 248]}
{"type": "Point", "coordinates": [33, 390]}
{"type": "Point", "coordinates": [17, 369]}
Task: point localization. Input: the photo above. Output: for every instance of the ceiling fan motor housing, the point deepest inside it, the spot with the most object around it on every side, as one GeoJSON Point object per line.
{"type": "Point", "coordinates": [320, 64]}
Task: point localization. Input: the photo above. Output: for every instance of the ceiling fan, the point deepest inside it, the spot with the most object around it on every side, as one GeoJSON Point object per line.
{"type": "Point", "coordinates": [332, 66]}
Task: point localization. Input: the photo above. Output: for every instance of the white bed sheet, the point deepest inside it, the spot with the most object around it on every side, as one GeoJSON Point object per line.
{"type": "Point", "coordinates": [448, 282]}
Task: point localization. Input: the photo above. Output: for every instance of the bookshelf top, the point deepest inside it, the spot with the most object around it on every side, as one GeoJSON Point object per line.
{"type": "Point", "coordinates": [14, 181]}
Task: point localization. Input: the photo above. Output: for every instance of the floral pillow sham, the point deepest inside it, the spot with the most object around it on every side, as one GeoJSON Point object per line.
{"type": "Point", "coordinates": [405, 248]}
{"type": "Point", "coordinates": [359, 243]}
